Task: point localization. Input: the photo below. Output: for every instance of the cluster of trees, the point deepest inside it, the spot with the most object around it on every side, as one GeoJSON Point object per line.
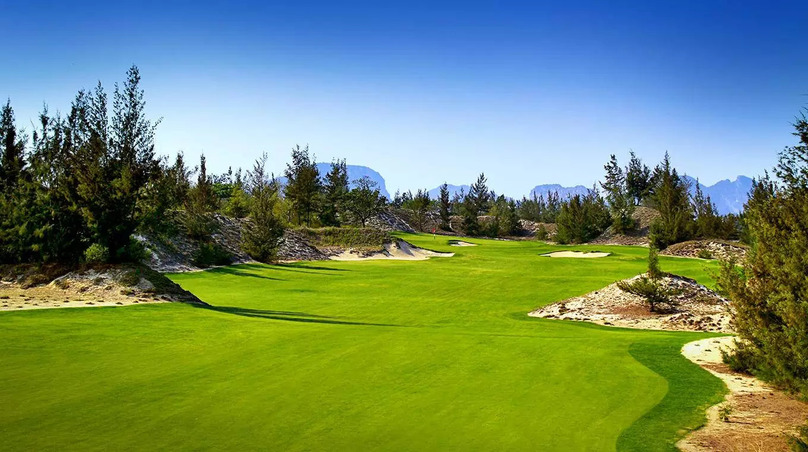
{"type": "Point", "coordinates": [500, 214]}
{"type": "Point", "coordinates": [681, 216]}
{"type": "Point", "coordinates": [80, 186]}
{"type": "Point", "coordinates": [770, 291]}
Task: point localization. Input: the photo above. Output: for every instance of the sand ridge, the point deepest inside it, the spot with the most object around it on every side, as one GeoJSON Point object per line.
{"type": "Point", "coordinates": [576, 254]}
{"type": "Point", "coordinates": [398, 250]}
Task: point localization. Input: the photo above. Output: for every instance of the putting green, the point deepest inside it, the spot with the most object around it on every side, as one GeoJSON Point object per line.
{"type": "Point", "coordinates": [376, 355]}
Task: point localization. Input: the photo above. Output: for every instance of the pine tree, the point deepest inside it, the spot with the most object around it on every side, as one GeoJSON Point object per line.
{"type": "Point", "coordinates": [638, 179]}
{"type": "Point", "coordinates": [419, 206]}
{"type": "Point", "coordinates": [621, 206]}
{"type": "Point", "coordinates": [479, 195]}
{"type": "Point", "coordinates": [770, 292]}
{"type": "Point", "coordinates": [303, 184]}
{"type": "Point", "coordinates": [11, 151]}
{"type": "Point", "coordinates": [671, 198]}
{"type": "Point", "coordinates": [445, 207]}
{"type": "Point", "coordinates": [364, 201]}
{"type": "Point", "coordinates": [708, 223]}
{"type": "Point", "coordinates": [335, 190]}
{"type": "Point", "coordinates": [264, 231]}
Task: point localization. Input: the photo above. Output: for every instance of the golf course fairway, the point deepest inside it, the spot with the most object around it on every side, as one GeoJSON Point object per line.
{"type": "Point", "coordinates": [368, 355]}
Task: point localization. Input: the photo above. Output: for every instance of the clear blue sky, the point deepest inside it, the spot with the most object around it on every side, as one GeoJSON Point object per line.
{"type": "Point", "coordinates": [424, 93]}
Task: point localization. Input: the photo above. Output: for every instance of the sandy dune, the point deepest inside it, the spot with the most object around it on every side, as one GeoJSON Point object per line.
{"type": "Point", "coordinates": [398, 250]}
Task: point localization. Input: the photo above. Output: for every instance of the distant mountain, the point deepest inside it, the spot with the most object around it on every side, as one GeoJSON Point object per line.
{"type": "Point", "coordinates": [355, 172]}
{"type": "Point", "coordinates": [563, 192]}
{"type": "Point", "coordinates": [453, 190]}
{"type": "Point", "coordinates": [728, 196]}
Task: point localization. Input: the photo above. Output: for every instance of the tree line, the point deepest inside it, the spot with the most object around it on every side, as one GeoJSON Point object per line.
{"type": "Point", "coordinates": [80, 186]}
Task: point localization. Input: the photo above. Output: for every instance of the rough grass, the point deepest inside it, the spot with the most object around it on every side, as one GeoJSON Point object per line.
{"type": "Point", "coordinates": [380, 355]}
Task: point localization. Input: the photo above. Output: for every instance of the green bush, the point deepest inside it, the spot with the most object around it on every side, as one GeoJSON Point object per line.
{"type": "Point", "coordinates": [651, 290]}
{"type": "Point", "coordinates": [541, 233]}
{"type": "Point", "coordinates": [704, 254]}
{"type": "Point", "coordinates": [210, 254]}
{"type": "Point", "coordinates": [653, 264]}
{"type": "Point", "coordinates": [96, 253]}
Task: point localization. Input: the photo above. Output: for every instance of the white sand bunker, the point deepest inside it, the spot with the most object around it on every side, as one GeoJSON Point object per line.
{"type": "Point", "coordinates": [399, 250]}
{"type": "Point", "coordinates": [580, 254]}
{"type": "Point", "coordinates": [460, 243]}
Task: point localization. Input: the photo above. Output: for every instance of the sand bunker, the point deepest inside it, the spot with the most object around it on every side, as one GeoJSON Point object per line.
{"type": "Point", "coordinates": [460, 243]}
{"type": "Point", "coordinates": [399, 250]}
{"type": "Point", "coordinates": [579, 254]}
{"type": "Point", "coordinates": [754, 415]}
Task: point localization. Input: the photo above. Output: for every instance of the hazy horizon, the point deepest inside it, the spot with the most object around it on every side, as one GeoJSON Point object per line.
{"type": "Point", "coordinates": [431, 93]}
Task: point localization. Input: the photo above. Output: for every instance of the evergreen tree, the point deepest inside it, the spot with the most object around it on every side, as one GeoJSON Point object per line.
{"type": "Point", "coordinates": [199, 205]}
{"type": "Point", "coordinates": [264, 231]}
{"type": "Point", "coordinates": [335, 191]}
{"type": "Point", "coordinates": [364, 201]}
{"type": "Point", "coordinates": [445, 207]}
{"type": "Point", "coordinates": [303, 184]}
{"type": "Point", "coordinates": [708, 223]}
{"type": "Point", "coordinates": [621, 206]}
{"type": "Point", "coordinates": [419, 206]}
{"type": "Point", "coordinates": [671, 198]}
{"type": "Point", "coordinates": [11, 151]}
{"type": "Point", "coordinates": [638, 179]}
{"type": "Point", "coordinates": [479, 196]}
{"type": "Point", "coordinates": [770, 292]}
{"type": "Point", "coordinates": [582, 218]}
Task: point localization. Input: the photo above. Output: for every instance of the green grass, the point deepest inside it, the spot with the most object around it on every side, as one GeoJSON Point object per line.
{"type": "Point", "coordinates": [375, 355]}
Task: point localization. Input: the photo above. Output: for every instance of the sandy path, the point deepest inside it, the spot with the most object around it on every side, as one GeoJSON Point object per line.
{"type": "Point", "coordinates": [756, 416]}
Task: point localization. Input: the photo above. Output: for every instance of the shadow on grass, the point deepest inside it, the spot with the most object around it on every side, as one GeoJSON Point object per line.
{"type": "Point", "coordinates": [288, 316]}
{"type": "Point", "coordinates": [240, 270]}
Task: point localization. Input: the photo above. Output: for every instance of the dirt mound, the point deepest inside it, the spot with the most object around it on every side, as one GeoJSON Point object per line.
{"type": "Point", "coordinates": [754, 416]}
{"type": "Point", "coordinates": [397, 250]}
{"type": "Point", "coordinates": [179, 252]}
{"type": "Point", "coordinates": [107, 285]}
{"type": "Point", "coordinates": [698, 308]}
{"type": "Point", "coordinates": [388, 220]}
{"type": "Point", "coordinates": [707, 249]}
{"type": "Point", "coordinates": [532, 227]}
{"type": "Point", "coordinates": [643, 217]}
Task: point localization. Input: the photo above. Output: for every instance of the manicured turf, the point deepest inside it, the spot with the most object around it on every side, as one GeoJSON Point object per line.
{"type": "Point", "coordinates": [377, 355]}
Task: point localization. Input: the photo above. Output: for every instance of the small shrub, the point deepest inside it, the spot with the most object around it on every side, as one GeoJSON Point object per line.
{"type": "Point", "coordinates": [724, 412]}
{"type": "Point", "coordinates": [135, 251]}
{"type": "Point", "coordinates": [653, 264]}
{"type": "Point", "coordinates": [799, 443]}
{"type": "Point", "coordinates": [704, 254]}
{"type": "Point", "coordinates": [651, 290]}
{"type": "Point", "coordinates": [742, 359]}
{"type": "Point", "coordinates": [210, 254]}
{"type": "Point", "coordinates": [541, 233]}
{"type": "Point", "coordinates": [96, 253]}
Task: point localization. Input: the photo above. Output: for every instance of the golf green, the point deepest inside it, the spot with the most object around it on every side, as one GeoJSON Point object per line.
{"type": "Point", "coordinates": [368, 355]}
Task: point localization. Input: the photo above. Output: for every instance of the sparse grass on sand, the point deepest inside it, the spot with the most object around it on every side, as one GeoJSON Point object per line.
{"type": "Point", "coordinates": [370, 355]}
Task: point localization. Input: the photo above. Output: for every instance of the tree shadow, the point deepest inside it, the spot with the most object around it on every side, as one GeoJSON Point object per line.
{"type": "Point", "coordinates": [302, 268]}
{"type": "Point", "coordinates": [239, 271]}
{"type": "Point", "coordinates": [288, 316]}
